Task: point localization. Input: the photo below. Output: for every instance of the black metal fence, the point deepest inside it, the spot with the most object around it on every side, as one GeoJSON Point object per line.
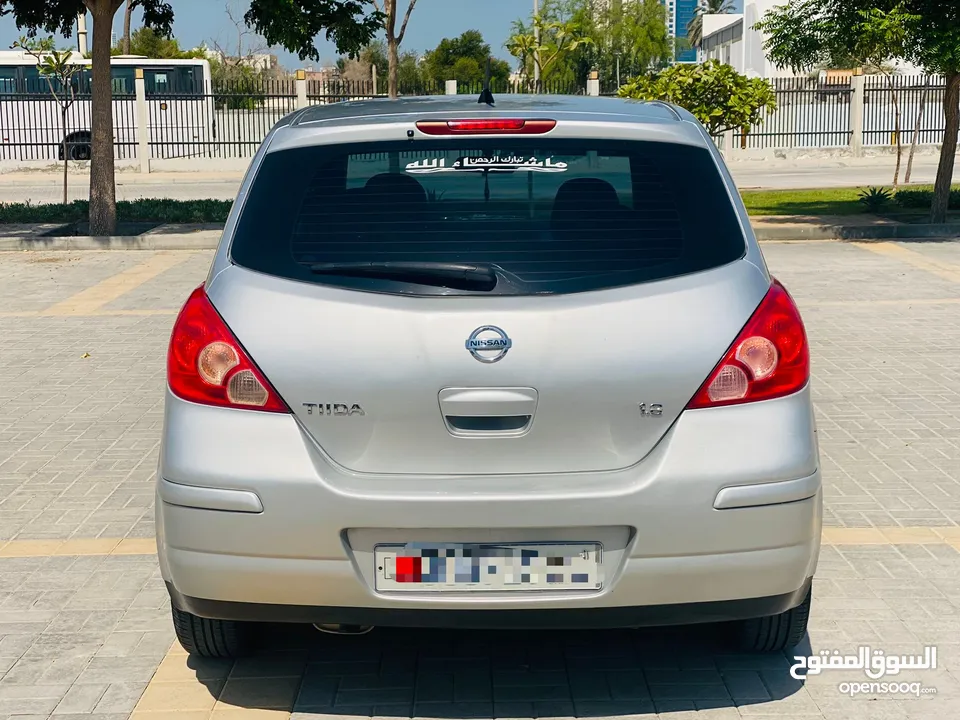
{"type": "Point", "coordinates": [32, 127]}
{"type": "Point", "coordinates": [230, 120]}
{"type": "Point", "coordinates": [809, 114]}
{"type": "Point", "coordinates": [919, 100]}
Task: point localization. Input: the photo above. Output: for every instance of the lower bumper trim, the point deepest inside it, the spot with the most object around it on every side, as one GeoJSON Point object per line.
{"type": "Point", "coordinates": [534, 619]}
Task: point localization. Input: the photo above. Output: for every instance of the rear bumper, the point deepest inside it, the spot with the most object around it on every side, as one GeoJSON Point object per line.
{"type": "Point", "coordinates": [721, 520]}
{"type": "Point", "coordinates": [617, 617]}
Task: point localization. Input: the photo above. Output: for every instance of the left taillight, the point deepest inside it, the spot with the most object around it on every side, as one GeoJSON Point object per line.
{"type": "Point", "coordinates": [207, 365]}
{"type": "Point", "coordinates": [769, 359]}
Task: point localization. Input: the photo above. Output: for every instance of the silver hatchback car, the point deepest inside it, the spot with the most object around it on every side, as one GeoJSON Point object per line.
{"type": "Point", "coordinates": [473, 365]}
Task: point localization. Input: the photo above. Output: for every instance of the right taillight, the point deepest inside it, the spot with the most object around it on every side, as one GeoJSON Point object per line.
{"type": "Point", "coordinates": [769, 359]}
{"type": "Point", "coordinates": [207, 365]}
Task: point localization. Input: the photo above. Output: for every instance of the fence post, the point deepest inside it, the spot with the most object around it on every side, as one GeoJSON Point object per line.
{"type": "Point", "coordinates": [593, 84]}
{"type": "Point", "coordinates": [301, 83]}
{"type": "Point", "coordinates": [857, 102]}
{"type": "Point", "coordinates": [451, 87]}
{"type": "Point", "coordinates": [373, 75]}
{"type": "Point", "coordinates": [728, 145]}
{"type": "Point", "coordinates": [143, 131]}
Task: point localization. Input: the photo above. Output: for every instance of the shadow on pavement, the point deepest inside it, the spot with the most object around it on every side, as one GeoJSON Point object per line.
{"type": "Point", "coordinates": [487, 674]}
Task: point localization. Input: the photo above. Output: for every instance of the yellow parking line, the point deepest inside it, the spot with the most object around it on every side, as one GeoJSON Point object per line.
{"type": "Point", "coordinates": [79, 546]}
{"type": "Point", "coordinates": [170, 312]}
{"type": "Point", "coordinates": [945, 270]}
{"type": "Point", "coordinates": [871, 303]}
{"type": "Point", "coordinates": [89, 301]}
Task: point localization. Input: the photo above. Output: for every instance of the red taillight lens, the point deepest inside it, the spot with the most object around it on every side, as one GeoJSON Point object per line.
{"type": "Point", "coordinates": [206, 364]}
{"type": "Point", "coordinates": [769, 359]}
{"type": "Point", "coordinates": [511, 126]}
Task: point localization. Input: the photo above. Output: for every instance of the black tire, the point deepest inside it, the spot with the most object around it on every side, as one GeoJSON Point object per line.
{"type": "Point", "coordinates": [776, 632]}
{"type": "Point", "coordinates": [210, 638]}
{"type": "Point", "coordinates": [80, 151]}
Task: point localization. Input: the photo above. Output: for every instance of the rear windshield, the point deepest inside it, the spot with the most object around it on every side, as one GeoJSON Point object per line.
{"type": "Point", "coordinates": [539, 216]}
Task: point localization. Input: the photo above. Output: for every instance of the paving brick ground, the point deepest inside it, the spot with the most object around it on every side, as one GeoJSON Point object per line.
{"type": "Point", "coordinates": [82, 342]}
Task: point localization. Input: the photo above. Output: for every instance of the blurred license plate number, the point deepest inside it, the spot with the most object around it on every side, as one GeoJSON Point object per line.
{"type": "Point", "coordinates": [488, 567]}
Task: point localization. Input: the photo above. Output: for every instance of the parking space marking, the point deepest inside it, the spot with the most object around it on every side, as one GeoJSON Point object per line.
{"type": "Point", "coordinates": [191, 688]}
{"type": "Point", "coordinates": [170, 312]}
{"type": "Point", "coordinates": [92, 299]}
{"type": "Point", "coordinates": [76, 547]}
{"type": "Point", "coordinates": [945, 270]}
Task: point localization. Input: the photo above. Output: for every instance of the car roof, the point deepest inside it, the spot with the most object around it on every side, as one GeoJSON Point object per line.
{"type": "Point", "coordinates": [374, 110]}
{"type": "Point", "coordinates": [380, 119]}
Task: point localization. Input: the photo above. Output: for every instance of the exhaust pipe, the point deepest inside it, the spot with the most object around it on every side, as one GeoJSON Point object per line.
{"type": "Point", "coordinates": [343, 629]}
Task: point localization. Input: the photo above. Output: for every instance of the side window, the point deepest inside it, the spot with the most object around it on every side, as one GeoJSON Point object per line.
{"type": "Point", "coordinates": [123, 79]}
{"type": "Point", "coordinates": [158, 81]}
{"type": "Point", "coordinates": [8, 79]}
{"type": "Point", "coordinates": [186, 81]}
{"type": "Point", "coordinates": [33, 83]}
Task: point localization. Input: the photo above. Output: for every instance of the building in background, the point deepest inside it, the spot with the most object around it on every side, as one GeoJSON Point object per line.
{"type": "Point", "coordinates": [259, 62]}
{"type": "Point", "coordinates": [731, 39]}
{"type": "Point", "coordinates": [679, 15]}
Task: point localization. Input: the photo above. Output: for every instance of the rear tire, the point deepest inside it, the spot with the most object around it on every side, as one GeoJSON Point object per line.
{"type": "Point", "coordinates": [776, 632]}
{"type": "Point", "coordinates": [210, 638]}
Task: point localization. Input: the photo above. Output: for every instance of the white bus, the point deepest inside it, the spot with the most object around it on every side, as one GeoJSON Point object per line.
{"type": "Point", "coordinates": [180, 109]}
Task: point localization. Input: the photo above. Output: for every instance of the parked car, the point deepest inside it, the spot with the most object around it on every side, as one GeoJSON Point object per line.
{"type": "Point", "coordinates": [488, 365]}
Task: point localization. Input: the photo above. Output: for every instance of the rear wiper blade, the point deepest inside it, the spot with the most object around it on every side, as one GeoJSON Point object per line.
{"type": "Point", "coordinates": [462, 276]}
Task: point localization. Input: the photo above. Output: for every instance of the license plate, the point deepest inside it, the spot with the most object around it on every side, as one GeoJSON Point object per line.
{"type": "Point", "coordinates": [489, 567]}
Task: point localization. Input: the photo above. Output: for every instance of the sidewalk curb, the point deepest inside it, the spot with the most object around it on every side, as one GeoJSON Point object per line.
{"type": "Point", "coordinates": [209, 239]}
{"type": "Point", "coordinates": [813, 231]}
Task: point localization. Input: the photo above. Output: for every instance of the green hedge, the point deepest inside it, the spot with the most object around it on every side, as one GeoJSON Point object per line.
{"type": "Point", "coordinates": [923, 199]}
{"type": "Point", "coordinates": [146, 210]}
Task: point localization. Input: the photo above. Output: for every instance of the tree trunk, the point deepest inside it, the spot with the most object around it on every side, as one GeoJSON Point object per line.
{"type": "Point", "coordinates": [103, 190]}
{"type": "Point", "coordinates": [393, 54]}
{"type": "Point", "coordinates": [66, 153]}
{"type": "Point", "coordinates": [916, 131]}
{"type": "Point", "coordinates": [948, 153]}
{"type": "Point", "coordinates": [896, 130]}
{"type": "Point", "coordinates": [127, 20]}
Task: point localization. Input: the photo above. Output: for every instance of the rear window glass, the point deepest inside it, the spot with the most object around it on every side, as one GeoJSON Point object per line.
{"type": "Point", "coordinates": [547, 216]}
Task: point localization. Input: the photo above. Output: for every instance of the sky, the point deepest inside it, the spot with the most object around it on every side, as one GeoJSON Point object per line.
{"type": "Point", "coordinates": [198, 21]}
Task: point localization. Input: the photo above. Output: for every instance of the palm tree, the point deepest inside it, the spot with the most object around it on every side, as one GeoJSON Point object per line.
{"type": "Point", "coordinates": [706, 7]}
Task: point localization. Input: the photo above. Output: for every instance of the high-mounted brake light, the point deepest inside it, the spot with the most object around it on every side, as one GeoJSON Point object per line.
{"type": "Point", "coordinates": [506, 126]}
{"type": "Point", "coordinates": [769, 359]}
{"type": "Point", "coordinates": [207, 365]}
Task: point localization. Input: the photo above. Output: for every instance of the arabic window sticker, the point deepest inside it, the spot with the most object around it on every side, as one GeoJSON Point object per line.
{"type": "Point", "coordinates": [489, 163]}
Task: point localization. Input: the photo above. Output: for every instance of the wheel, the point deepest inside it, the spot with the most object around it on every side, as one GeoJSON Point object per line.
{"type": "Point", "coordinates": [210, 638]}
{"type": "Point", "coordinates": [80, 151]}
{"type": "Point", "coordinates": [776, 632]}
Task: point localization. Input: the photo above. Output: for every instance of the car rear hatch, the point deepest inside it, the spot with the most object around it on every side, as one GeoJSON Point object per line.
{"type": "Point", "coordinates": [488, 305]}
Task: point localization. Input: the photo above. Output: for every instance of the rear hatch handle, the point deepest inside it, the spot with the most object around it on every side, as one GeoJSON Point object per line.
{"type": "Point", "coordinates": [488, 412]}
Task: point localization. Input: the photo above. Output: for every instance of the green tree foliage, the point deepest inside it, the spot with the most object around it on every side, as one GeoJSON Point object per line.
{"type": "Point", "coordinates": [410, 77]}
{"type": "Point", "coordinates": [294, 24]}
{"type": "Point", "coordinates": [148, 42]}
{"type": "Point", "coordinates": [464, 59]}
{"type": "Point", "coordinates": [548, 44]}
{"type": "Point", "coordinates": [716, 94]}
{"type": "Point", "coordinates": [630, 38]}
{"type": "Point", "coordinates": [803, 35]}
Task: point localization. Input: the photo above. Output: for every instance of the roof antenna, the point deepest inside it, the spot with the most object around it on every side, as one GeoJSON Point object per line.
{"type": "Point", "coordinates": [486, 97]}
